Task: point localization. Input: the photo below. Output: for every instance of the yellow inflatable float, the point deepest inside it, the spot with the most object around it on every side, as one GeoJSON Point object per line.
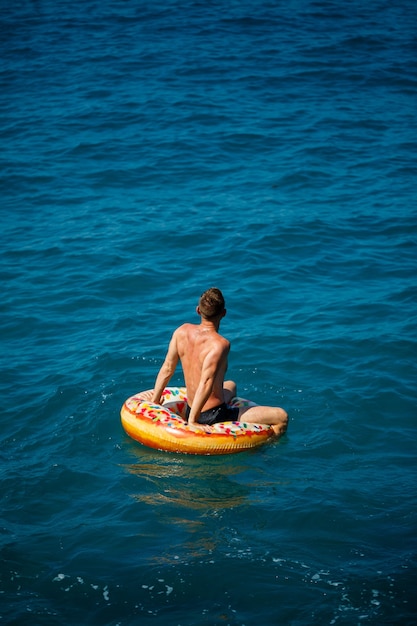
{"type": "Point", "coordinates": [162, 426]}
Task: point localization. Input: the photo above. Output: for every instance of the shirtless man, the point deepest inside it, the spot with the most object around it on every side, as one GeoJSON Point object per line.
{"type": "Point", "coordinates": [203, 353]}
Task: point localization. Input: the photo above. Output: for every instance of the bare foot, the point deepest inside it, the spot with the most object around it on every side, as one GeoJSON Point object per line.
{"type": "Point", "coordinates": [279, 429]}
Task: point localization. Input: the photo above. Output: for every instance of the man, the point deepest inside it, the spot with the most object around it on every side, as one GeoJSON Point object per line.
{"type": "Point", "coordinates": [203, 353]}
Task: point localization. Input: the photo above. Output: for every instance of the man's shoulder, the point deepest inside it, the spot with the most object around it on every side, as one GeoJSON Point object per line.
{"type": "Point", "coordinates": [226, 343]}
{"type": "Point", "coordinates": [222, 343]}
{"type": "Point", "coordinates": [184, 330]}
{"type": "Point", "coordinates": [185, 327]}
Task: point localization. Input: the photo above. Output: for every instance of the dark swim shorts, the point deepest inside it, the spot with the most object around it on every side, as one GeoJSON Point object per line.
{"type": "Point", "coordinates": [222, 413]}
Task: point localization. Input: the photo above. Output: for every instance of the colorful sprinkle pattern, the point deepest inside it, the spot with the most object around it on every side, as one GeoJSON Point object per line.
{"type": "Point", "coordinates": [170, 413]}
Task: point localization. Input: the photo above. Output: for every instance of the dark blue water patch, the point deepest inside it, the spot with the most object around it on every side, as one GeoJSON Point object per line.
{"type": "Point", "coordinates": [165, 590]}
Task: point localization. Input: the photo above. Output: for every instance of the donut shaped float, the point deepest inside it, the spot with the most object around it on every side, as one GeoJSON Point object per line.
{"type": "Point", "coordinates": [162, 426]}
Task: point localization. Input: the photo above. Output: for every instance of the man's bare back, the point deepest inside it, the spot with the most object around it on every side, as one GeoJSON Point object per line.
{"type": "Point", "coordinates": [203, 353]}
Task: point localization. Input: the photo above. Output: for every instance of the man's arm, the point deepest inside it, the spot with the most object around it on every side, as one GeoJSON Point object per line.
{"type": "Point", "coordinates": [167, 369]}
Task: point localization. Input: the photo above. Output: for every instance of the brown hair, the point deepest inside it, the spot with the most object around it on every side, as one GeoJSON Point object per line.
{"type": "Point", "coordinates": [211, 303]}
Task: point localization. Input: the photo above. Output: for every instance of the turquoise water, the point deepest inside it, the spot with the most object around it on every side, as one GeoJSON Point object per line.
{"type": "Point", "coordinates": [149, 151]}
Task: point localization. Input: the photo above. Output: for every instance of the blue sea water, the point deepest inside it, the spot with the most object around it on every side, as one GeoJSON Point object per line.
{"type": "Point", "coordinates": [150, 150]}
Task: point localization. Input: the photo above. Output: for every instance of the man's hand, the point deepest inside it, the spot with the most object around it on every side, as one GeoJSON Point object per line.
{"type": "Point", "coordinates": [146, 396]}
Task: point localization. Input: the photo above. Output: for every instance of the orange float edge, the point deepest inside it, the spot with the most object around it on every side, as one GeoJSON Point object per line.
{"type": "Point", "coordinates": [180, 440]}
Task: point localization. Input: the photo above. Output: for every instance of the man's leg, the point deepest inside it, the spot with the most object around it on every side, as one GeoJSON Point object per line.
{"type": "Point", "coordinates": [271, 415]}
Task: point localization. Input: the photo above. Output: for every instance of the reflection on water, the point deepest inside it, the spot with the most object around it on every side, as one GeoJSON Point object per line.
{"type": "Point", "coordinates": [199, 483]}
{"type": "Point", "coordinates": [161, 464]}
{"type": "Point", "coordinates": [206, 498]}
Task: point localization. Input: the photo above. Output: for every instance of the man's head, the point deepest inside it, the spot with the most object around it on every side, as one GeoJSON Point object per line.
{"type": "Point", "coordinates": [211, 304]}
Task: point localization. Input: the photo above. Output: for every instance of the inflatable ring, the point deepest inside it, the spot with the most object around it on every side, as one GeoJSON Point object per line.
{"type": "Point", "coordinates": [162, 426]}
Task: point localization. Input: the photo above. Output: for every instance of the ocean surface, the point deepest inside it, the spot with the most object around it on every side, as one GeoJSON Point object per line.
{"type": "Point", "coordinates": [150, 150]}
